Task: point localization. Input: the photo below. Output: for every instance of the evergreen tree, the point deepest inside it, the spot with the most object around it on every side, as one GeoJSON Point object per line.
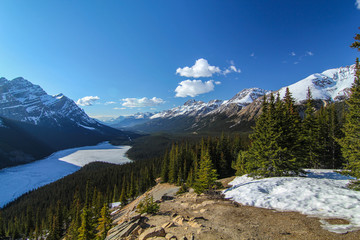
{"type": "Point", "coordinates": [173, 164]}
{"type": "Point", "coordinates": [104, 223]}
{"type": "Point", "coordinates": [266, 154]}
{"type": "Point", "coordinates": [2, 229]}
{"type": "Point", "coordinates": [75, 215]}
{"type": "Point", "coordinates": [123, 198]}
{"type": "Point", "coordinates": [57, 223]}
{"type": "Point", "coordinates": [115, 194]}
{"type": "Point", "coordinates": [350, 143]}
{"type": "Point", "coordinates": [240, 164]}
{"type": "Point", "coordinates": [334, 131]}
{"type": "Point", "coordinates": [206, 175]}
{"type": "Point", "coordinates": [310, 135]}
{"type": "Point", "coordinates": [356, 44]}
{"type": "Point", "coordinates": [291, 126]}
{"type": "Point", "coordinates": [86, 228]}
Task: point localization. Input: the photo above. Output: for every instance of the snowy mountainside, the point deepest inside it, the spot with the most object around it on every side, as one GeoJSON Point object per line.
{"type": "Point", "coordinates": [190, 108]}
{"type": "Point", "coordinates": [333, 85]}
{"type": "Point", "coordinates": [129, 121]}
{"type": "Point", "coordinates": [37, 124]}
{"type": "Point", "coordinates": [193, 114]}
{"type": "Point", "coordinates": [239, 101]}
{"type": "Point", "coordinates": [23, 101]}
{"type": "Point", "coordinates": [199, 108]}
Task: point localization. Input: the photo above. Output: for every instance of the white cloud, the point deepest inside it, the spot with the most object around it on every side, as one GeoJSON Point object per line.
{"type": "Point", "coordinates": [110, 102]}
{"type": "Point", "coordinates": [117, 108]}
{"type": "Point", "coordinates": [296, 63]}
{"type": "Point", "coordinates": [200, 69]}
{"type": "Point", "coordinates": [232, 68]}
{"type": "Point", "coordinates": [308, 53]}
{"type": "Point", "coordinates": [142, 102]}
{"type": "Point", "coordinates": [217, 82]}
{"type": "Point", "coordinates": [193, 88]}
{"type": "Point", "coordinates": [87, 101]}
{"type": "Point", "coordinates": [357, 3]}
{"type": "Point", "coordinates": [293, 54]}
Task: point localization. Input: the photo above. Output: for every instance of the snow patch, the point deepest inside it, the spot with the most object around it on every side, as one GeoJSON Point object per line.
{"type": "Point", "coordinates": [87, 127]}
{"type": "Point", "coordinates": [322, 193]}
{"type": "Point", "coordinates": [103, 152]}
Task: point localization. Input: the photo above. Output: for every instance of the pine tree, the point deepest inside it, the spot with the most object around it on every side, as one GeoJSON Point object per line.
{"type": "Point", "coordinates": [165, 168]}
{"type": "Point", "coordinates": [75, 214]}
{"type": "Point", "coordinates": [123, 198]}
{"type": "Point", "coordinates": [2, 232]}
{"type": "Point", "coordinates": [115, 194]}
{"type": "Point", "coordinates": [206, 175]}
{"type": "Point", "coordinates": [173, 164]}
{"type": "Point", "coordinates": [240, 164]}
{"type": "Point", "coordinates": [310, 135]}
{"type": "Point", "coordinates": [291, 126]}
{"type": "Point", "coordinates": [269, 155]}
{"type": "Point", "coordinates": [86, 227]}
{"type": "Point", "coordinates": [104, 223]}
{"type": "Point", "coordinates": [350, 143]}
{"type": "Point", "coordinates": [356, 44]}
{"type": "Point", "coordinates": [57, 224]}
{"type": "Point", "coordinates": [335, 157]}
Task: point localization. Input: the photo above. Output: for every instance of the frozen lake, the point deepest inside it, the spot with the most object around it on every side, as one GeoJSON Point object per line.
{"type": "Point", "coordinates": [15, 181]}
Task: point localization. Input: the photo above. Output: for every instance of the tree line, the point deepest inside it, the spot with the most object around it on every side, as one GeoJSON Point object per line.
{"type": "Point", "coordinates": [73, 205]}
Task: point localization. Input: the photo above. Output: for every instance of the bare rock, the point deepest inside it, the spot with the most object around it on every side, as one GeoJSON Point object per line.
{"type": "Point", "coordinates": [209, 202]}
{"type": "Point", "coordinates": [152, 232]}
{"type": "Point", "coordinates": [168, 225]}
{"type": "Point", "coordinates": [170, 236]}
{"type": "Point", "coordinates": [203, 210]}
{"type": "Point", "coordinates": [179, 220]}
{"type": "Point", "coordinates": [194, 224]}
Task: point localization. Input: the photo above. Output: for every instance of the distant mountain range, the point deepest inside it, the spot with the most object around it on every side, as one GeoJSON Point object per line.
{"type": "Point", "coordinates": [239, 112]}
{"type": "Point", "coordinates": [34, 124]}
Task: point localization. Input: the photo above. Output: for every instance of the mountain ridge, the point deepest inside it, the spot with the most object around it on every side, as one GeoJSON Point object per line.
{"type": "Point", "coordinates": [34, 124]}
{"type": "Point", "coordinates": [330, 85]}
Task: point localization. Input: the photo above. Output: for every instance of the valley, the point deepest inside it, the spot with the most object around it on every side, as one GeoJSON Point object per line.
{"type": "Point", "coordinates": [179, 120]}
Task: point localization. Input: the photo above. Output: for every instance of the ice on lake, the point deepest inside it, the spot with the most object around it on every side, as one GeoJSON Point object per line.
{"type": "Point", "coordinates": [18, 180]}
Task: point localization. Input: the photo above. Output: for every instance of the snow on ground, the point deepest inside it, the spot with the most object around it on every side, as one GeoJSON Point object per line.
{"type": "Point", "coordinates": [104, 152]}
{"type": "Point", "coordinates": [322, 193]}
{"type": "Point", "coordinates": [18, 180]}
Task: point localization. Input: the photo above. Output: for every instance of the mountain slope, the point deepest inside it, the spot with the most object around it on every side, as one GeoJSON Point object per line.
{"type": "Point", "coordinates": [332, 85]}
{"type": "Point", "coordinates": [35, 124]}
{"type": "Point", "coordinates": [238, 113]}
{"type": "Point", "coordinates": [195, 115]}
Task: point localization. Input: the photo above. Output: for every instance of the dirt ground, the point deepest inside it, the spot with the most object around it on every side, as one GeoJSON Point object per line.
{"type": "Point", "coordinates": [206, 217]}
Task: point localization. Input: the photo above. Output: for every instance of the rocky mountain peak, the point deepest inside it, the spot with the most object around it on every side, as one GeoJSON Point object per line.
{"type": "Point", "coordinates": [23, 101]}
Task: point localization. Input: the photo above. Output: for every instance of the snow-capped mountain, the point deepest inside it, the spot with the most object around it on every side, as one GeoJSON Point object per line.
{"type": "Point", "coordinates": [23, 101]}
{"type": "Point", "coordinates": [189, 115]}
{"type": "Point", "coordinates": [333, 85]}
{"type": "Point", "coordinates": [34, 124]}
{"type": "Point", "coordinates": [129, 121]}
{"type": "Point", "coordinates": [190, 108]}
{"type": "Point", "coordinates": [239, 101]}
{"type": "Point", "coordinates": [241, 110]}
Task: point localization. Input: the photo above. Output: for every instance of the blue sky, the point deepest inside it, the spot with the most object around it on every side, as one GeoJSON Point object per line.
{"type": "Point", "coordinates": [124, 57]}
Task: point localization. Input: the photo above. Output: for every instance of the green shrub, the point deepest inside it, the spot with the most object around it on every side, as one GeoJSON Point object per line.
{"type": "Point", "coordinates": [147, 205]}
{"type": "Point", "coordinates": [182, 189]}
{"type": "Point", "coordinates": [354, 185]}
